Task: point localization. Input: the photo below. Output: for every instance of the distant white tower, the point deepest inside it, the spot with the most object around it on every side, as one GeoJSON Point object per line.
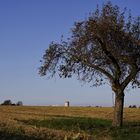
{"type": "Point", "coordinates": [67, 104]}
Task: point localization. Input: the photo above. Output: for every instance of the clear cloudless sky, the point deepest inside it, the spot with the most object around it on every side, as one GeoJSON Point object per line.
{"type": "Point", "coordinates": [26, 29]}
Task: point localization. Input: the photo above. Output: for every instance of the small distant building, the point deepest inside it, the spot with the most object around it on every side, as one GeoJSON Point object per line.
{"type": "Point", "coordinates": [67, 104]}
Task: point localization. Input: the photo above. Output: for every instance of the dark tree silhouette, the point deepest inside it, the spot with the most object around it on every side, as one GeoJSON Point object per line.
{"type": "Point", "coordinates": [7, 102]}
{"type": "Point", "coordinates": [104, 47]}
{"type": "Point", "coordinates": [19, 103]}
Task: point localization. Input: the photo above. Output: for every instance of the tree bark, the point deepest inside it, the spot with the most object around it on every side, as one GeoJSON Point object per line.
{"type": "Point", "coordinates": [118, 109]}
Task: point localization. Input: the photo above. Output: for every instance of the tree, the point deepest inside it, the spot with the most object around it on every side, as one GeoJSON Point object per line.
{"type": "Point", "coordinates": [7, 102]}
{"type": "Point", "coordinates": [19, 103]}
{"type": "Point", "coordinates": [103, 48]}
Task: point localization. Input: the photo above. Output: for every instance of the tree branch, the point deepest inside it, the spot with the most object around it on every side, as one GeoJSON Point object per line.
{"type": "Point", "coordinates": [85, 61]}
{"type": "Point", "coordinates": [102, 71]}
{"type": "Point", "coordinates": [130, 77]}
{"type": "Point", "coordinates": [112, 58]}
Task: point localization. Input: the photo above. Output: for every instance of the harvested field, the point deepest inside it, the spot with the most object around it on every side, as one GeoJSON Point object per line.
{"type": "Point", "coordinates": [66, 123]}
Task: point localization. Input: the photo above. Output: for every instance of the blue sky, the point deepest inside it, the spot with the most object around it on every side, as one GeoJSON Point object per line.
{"type": "Point", "coordinates": [26, 29]}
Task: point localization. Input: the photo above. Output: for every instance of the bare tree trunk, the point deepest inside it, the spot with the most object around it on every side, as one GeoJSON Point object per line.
{"type": "Point", "coordinates": [118, 109]}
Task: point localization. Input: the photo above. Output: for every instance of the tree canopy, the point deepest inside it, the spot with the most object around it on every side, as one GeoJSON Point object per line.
{"type": "Point", "coordinates": [105, 45]}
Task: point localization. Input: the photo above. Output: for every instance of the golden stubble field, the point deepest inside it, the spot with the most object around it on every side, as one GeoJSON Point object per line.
{"type": "Point", "coordinates": [14, 120]}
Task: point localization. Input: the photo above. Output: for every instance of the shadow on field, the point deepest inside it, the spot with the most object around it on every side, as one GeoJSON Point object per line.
{"type": "Point", "coordinates": [95, 127]}
{"type": "Point", "coordinates": [129, 131]}
{"type": "Point", "coordinates": [75, 124]}
{"type": "Point", "coordinates": [8, 136]}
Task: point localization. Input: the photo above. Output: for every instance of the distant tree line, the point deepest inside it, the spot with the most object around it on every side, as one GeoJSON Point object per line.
{"type": "Point", "coordinates": [133, 106]}
{"type": "Point", "coordinates": [9, 102]}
